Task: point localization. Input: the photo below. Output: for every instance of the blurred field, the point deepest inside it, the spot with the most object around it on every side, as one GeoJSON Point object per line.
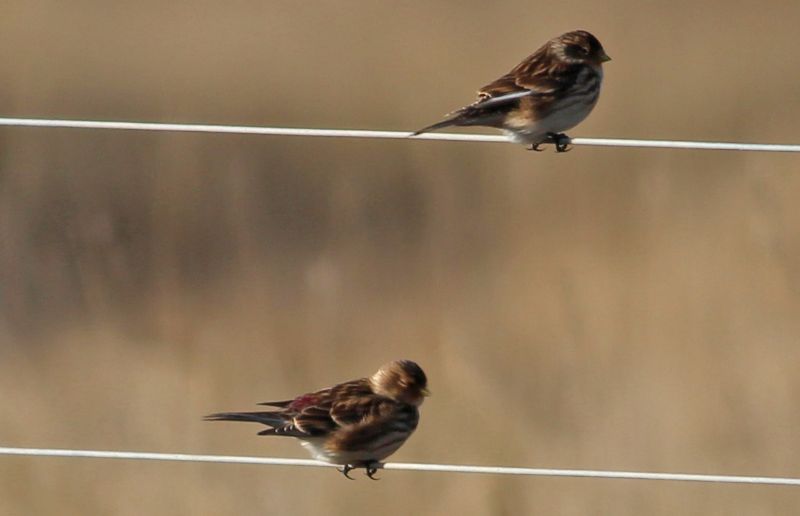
{"type": "Point", "coordinates": [604, 309]}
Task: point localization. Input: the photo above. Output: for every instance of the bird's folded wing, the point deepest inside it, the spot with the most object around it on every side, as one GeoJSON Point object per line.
{"type": "Point", "coordinates": [487, 101]}
{"type": "Point", "coordinates": [315, 420]}
{"type": "Point", "coordinates": [513, 86]}
{"type": "Point", "coordinates": [351, 411]}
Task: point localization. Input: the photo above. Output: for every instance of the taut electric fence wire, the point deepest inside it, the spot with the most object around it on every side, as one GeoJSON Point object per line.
{"type": "Point", "coordinates": [442, 468]}
{"type": "Point", "coordinates": [343, 133]}
{"type": "Point", "coordinates": [396, 135]}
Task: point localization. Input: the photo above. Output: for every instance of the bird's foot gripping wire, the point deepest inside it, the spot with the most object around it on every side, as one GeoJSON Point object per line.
{"type": "Point", "coordinates": [371, 467]}
{"type": "Point", "coordinates": [346, 469]}
{"type": "Point", "coordinates": [560, 140]}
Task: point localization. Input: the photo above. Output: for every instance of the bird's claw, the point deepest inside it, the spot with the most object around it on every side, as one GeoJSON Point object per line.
{"type": "Point", "coordinates": [373, 468]}
{"type": "Point", "coordinates": [560, 140]}
{"type": "Point", "coordinates": [347, 468]}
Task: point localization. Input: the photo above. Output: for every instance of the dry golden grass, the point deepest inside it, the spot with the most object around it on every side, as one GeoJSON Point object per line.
{"type": "Point", "coordinates": [607, 309]}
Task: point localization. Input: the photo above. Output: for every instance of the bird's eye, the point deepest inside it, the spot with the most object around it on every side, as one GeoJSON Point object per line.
{"type": "Point", "coordinates": [577, 50]}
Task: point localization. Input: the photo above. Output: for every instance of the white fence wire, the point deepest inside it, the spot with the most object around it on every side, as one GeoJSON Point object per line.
{"type": "Point", "coordinates": [396, 135]}
{"type": "Point", "coordinates": [442, 468]}
{"type": "Point", "coordinates": [345, 133]}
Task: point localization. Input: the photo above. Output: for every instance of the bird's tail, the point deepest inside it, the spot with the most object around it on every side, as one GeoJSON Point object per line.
{"type": "Point", "coordinates": [485, 111]}
{"type": "Point", "coordinates": [272, 419]}
{"type": "Point", "coordinates": [474, 114]}
{"type": "Point", "coordinates": [447, 122]}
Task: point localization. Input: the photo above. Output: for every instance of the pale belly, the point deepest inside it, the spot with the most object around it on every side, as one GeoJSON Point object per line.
{"type": "Point", "coordinates": [379, 450]}
{"type": "Point", "coordinates": [559, 120]}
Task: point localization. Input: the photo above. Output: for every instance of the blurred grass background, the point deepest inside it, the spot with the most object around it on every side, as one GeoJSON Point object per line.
{"type": "Point", "coordinates": [605, 309]}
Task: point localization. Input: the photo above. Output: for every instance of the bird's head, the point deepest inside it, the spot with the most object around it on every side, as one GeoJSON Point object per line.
{"type": "Point", "coordinates": [579, 47]}
{"type": "Point", "coordinates": [401, 380]}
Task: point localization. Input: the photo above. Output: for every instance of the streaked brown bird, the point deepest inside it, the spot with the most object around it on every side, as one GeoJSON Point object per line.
{"type": "Point", "coordinates": [549, 92]}
{"type": "Point", "coordinates": [354, 424]}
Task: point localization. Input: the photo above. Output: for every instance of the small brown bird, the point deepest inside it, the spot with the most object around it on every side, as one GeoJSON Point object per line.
{"type": "Point", "coordinates": [550, 91]}
{"type": "Point", "coordinates": [355, 424]}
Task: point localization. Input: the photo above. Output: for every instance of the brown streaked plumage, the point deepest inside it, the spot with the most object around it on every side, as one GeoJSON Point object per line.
{"type": "Point", "coordinates": [549, 92]}
{"type": "Point", "coordinates": [355, 424]}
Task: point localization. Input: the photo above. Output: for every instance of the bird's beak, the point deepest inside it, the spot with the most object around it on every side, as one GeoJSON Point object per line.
{"type": "Point", "coordinates": [604, 58]}
{"type": "Point", "coordinates": [426, 392]}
